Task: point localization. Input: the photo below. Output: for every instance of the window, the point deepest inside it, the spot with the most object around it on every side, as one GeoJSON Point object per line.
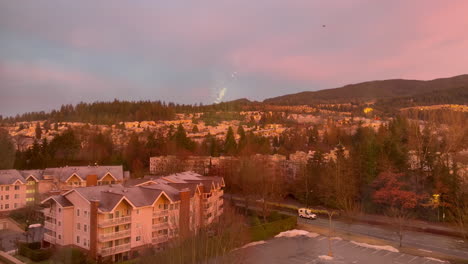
{"type": "Point", "coordinates": [78, 226]}
{"type": "Point", "coordinates": [138, 211]}
{"type": "Point", "coordinates": [77, 239]}
{"type": "Point", "coordinates": [177, 206]}
{"type": "Point", "coordinates": [86, 213]}
{"type": "Point", "coordinates": [77, 212]}
{"type": "Point", "coordinates": [1, 206]}
{"type": "Point", "coordinates": [138, 238]}
{"type": "Point", "coordinates": [17, 187]}
{"type": "Point", "coordinates": [60, 210]}
{"type": "Point", "coordinates": [16, 205]}
{"type": "Point", "coordinates": [59, 236]}
{"type": "Point", "coordinates": [59, 223]}
{"type": "Point", "coordinates": [7, 197]}
{"type": "Point", "coordinates": [7, 206]}
{"type": "Point", "coordinates": [85, 228]}
{"type": "Point", "coordinates": [17, 196]}
{"type": "Point", "coordinates": [84, 242]}
{"type": "Point", "coordinates": [171, 207]}
{"type": "Point", "coordinates": [7, 188]}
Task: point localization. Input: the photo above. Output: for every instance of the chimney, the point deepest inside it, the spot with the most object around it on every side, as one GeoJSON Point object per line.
{"type": "Point", "coordinates": [184, 213]}
{"type": "Point", "coordinates": [93, 231]}
{"type": "Point", "coordinates": [91, 180]}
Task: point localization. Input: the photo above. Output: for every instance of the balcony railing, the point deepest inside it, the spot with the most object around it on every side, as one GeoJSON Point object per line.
{"type": "Point", "coordinates": [48, 213]}
{"type": "Point", "coordinates": [49, 225]}
{"type": "Point", "coordinates": [114, 250]}
{"type": "Point", "coordinates": [115, 221]}
{"type": "Point", "coordinates": [160, 213]}
{"type": "Point", "coordinates": [162, 225]}
{"type": "Point", "coordinates": [49, 238]}
{"type": "Point", "coordinates": [160, 239]}
{"type": "Point", "coordinates": [115, 235]}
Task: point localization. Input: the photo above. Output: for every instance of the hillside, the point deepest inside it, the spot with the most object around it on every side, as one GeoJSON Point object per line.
{"type": "Point", "coordinates": [372, 90]}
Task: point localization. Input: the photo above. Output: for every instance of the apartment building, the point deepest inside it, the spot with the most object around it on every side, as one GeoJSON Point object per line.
{"type": "Point", "coordinates": [12, 190]}
{"type": "Point", "coordinates": [21, 187]}
{"type": "Point", "coordinates": [114, 222]}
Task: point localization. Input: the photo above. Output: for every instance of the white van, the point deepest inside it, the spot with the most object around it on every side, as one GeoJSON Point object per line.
{"type": "Point", "coordinates": [306, 213]}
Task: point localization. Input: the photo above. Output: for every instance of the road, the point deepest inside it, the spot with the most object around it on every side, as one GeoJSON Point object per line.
{"type": "Point", "coordinates": [450, 246]}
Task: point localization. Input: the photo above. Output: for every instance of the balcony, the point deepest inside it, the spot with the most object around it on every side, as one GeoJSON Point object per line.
{"type": "Point", "coordinates": [160, 213]}
{"type": "Point", "coordinates": [162, 225]}
{"type": "Point", "coordinates": [113, 236]}
{"type": "Point", "coordinates": [49, 238]}
{"type": "Point", "coordinates": [49, 225]}
{"type": "Point", "coordinates": [115, 221]}
{"type": "Point", "coordinates": [114, 250]}
{"type": "Point", "coordinates": [160, 239]}
{"type": "Point", "coordinates": [49, 213]}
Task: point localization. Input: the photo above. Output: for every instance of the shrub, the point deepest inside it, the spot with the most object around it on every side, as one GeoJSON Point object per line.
{"type": "Point", "coordinates": [70, 256]}
{"type": "Point", "coordinates": [274, 216]}
{"type": "Point", "coordinates": [265, 231]}
{"type": "Point", "coordinates": [34, 252]}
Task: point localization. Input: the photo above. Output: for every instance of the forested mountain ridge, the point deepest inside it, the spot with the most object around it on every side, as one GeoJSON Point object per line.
{"type": "Point", "coordinates": [370, 91]}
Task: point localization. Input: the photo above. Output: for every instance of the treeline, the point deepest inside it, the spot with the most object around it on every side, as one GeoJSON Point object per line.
{"type": "Point", "coordinates": [458, 95]}
{"type": "Point", "coordinates": [117, 111]}
{"type": "Point", "coordinates": [402, 170]}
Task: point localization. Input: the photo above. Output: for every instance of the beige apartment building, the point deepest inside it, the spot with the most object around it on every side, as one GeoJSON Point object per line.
{"type": "Point", "coordinates": [116, 221]}
{"type": "Point", "coordinates": [21, 187]}
{"type": "Point", "coordinates": [12, 190]}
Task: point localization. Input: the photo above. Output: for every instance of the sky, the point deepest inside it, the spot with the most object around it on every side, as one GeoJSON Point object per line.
{"type": "Point", "coordinates": [64, 51]}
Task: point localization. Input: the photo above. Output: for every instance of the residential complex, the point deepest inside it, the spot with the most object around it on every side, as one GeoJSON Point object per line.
{"type": "Point", "coordinates": [20, 187]}
{"type": "Point", "coordinates": [116, 221]}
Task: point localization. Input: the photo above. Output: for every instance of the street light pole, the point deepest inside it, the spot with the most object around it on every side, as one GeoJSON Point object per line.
{"type": "Point", "coordinates": [330, 215]}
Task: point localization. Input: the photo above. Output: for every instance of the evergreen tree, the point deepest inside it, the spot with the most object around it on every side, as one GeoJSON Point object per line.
{"type": "Point", "coordinates": [230, 145]}
{"type": "Point", "coordinates": [7, 153]}
{"type": "Point", "coordinates": [38, 131]}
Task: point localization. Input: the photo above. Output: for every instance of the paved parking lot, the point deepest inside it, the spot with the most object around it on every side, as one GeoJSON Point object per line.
{"type": "Point", "coordinates": [303, 249]}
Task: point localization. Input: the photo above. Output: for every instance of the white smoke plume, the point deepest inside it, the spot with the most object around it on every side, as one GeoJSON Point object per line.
{"type": "Point", "coordinates": [220, 96]}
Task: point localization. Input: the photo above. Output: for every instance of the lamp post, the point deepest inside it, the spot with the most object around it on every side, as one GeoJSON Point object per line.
{"type": "Point", "coordinates": [330, 215]}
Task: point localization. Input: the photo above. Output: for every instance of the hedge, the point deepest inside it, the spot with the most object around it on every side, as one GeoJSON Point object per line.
{"type": "Point", "coordinates": [33, 252]}
{"type": "Point", "coordinates": [268, 230]}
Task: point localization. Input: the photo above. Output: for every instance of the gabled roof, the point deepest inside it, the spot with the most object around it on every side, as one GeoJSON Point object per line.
{"type": "Point", "coordinates": [59, 199]}
{"type": "Point", "coordinates": [8, 177]}
{"type": "Point", "coordinates": [64, 173]}
{"type": "Point", "coordinates": [110, 195]}
{"type": "Point", "coordinates": [36, 174]}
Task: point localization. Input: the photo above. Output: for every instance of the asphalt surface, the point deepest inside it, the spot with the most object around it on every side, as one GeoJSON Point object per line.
{"type": "Point", "coordinates": [308, 250]}
{"type": "Point", "coordinates": [450, 246]}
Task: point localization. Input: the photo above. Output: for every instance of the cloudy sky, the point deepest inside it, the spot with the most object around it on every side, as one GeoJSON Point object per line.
{"type": "Point", "coordinates": [56, 52]}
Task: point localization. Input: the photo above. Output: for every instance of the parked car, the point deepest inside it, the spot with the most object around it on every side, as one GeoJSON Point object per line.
{"type": "Point", "coordinates": [306, 213]}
